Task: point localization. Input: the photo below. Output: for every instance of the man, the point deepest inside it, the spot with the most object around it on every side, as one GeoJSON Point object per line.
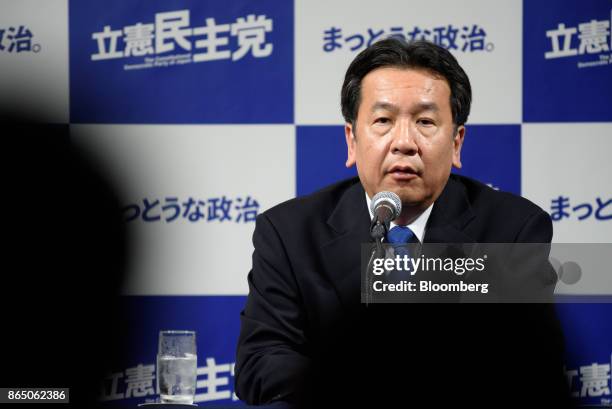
{"type": "Point", "coordinates": [306, 338]}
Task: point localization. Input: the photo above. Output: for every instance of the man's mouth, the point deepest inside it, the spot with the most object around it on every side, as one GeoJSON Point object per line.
{"type": "Point", "coordinates": [403, 172]}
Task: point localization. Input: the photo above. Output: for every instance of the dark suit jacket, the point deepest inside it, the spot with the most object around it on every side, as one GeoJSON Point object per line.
{"type": "Point", "coordinates": [307, 339]}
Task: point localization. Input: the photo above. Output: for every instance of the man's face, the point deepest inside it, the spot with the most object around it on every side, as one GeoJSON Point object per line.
{"type": "Point", "coordinates": [404, 139]}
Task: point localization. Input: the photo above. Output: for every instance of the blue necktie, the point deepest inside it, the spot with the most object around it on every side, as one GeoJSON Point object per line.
{"type": "Point", "coordinates": [399, 237]}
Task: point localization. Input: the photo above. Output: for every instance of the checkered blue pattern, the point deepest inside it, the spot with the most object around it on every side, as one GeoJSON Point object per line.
{"type": "Point", "coordinates": [207, 113]}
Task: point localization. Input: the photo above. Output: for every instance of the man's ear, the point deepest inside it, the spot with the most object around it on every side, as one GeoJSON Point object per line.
{"type": "Point", "coordinates": [350, 145]}
{"type": "Point", "coordinates": [457, 144]}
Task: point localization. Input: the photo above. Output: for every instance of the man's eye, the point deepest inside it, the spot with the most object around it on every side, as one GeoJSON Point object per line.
{"type": "Point", "coordinates": [382, 121]}
{"type": "Point", "coordinates": [426, 122]}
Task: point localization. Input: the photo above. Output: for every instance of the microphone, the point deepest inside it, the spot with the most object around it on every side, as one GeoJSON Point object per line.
{"type": "Point", "coordinates": [385, 206]}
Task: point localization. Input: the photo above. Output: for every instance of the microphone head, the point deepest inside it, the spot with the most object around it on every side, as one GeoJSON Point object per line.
{"type": "Point", "coordinates": [389, 199]}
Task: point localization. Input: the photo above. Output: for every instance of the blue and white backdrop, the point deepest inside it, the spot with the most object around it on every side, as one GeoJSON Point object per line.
{"type": "Point", "coordinates": [207, 113]}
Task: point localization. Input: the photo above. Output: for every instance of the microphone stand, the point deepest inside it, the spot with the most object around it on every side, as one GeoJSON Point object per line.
{"type": "Point", "coordinates": [378, 231]}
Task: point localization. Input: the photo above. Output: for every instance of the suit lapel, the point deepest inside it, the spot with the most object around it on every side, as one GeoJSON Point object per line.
{"type": "Point", "coordinates": [350, 222]}
{"type": "Point", "coordinates": [450, 216]}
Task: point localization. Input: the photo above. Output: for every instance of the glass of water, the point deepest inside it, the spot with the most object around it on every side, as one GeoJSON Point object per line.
{"type": "Point", "coordinates": [176, 366]}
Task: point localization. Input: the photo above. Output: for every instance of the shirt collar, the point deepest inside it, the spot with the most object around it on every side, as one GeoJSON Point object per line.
{"type": "Point", "coordinates": [417, 226]}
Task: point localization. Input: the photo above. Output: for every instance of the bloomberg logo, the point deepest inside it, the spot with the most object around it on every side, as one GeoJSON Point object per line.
{"type": "Point", "coordinates": [172, 32]}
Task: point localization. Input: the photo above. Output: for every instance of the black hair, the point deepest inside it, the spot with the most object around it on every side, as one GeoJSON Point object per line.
{"type": "Point", "coordinates": [395, 52]}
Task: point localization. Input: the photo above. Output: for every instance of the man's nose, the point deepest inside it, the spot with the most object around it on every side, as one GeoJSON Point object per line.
{"type": "Point", "coordinates": [404, 141]}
